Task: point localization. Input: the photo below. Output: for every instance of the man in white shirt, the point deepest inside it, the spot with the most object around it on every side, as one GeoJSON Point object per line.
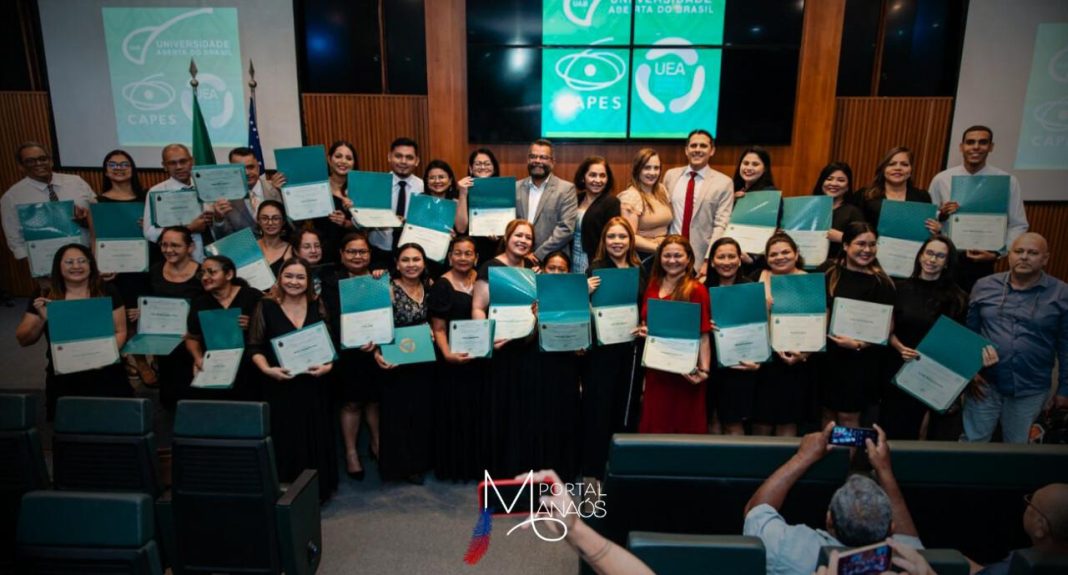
{"type": "Point", "coordinates": [41, 184]}
{"type": "Point", "coordinates": [178, 163]}
{"type": "Point", "coordinates": [240, 214]}
{"type": "Point", "coordinates": [975, 146]}
{"type": "Point", "coordinates": [548, 202]}
{"type": "Point", "coordinates": [701, 198]}
{"type": "Point", "coordinates": [403, 160]}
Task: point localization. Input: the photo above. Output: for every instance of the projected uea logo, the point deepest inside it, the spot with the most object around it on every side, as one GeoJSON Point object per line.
{"type": "Point", "coordinates": [678, 71]}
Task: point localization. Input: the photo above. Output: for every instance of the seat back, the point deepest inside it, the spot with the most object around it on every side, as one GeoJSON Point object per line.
{"type": "Point", "coordinates": [678, 554]}
{"type": "Point", "coordinates": [61, 532]}
{"type": "Point", "coordinates": [224, 488]}
{"type": "Point", "coordinates": [105, 444]}
{"type": "Point", "coordinates": [1032, 562]}
{"type": "Point", "coordinates": [712, 478]}
{"type": "Point", "coordinates": [23, 467]}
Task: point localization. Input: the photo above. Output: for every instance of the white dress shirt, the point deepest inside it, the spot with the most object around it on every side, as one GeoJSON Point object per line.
{"type": "Point", "coordinates": [383, 238]}
{"type": "Point", "coordinates": [678, 196]}
{"type": "Point", "coordinates": [30, 191]}
{"type": "Point", "coordinates": [942, 183]}
{"type": "Point", "coordinates": [152, 233]}
{"type": "Point", "coordinates": [535, 198]}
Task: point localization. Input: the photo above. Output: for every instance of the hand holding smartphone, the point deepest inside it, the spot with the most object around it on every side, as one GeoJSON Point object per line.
{"type": "Point", "coordinates": [872, 559]}
{"type": "Point", "coordinates": [852, 436]}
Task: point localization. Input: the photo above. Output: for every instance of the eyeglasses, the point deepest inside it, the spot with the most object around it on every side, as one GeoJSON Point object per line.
{"type": "Point", "coordinates": [270, 219]}
{"type": "Point", "coordinates": [118, 165]}
{"type": "Point", "coordinates": [36, 161]}
{"type": "Point", "coordinates": [1027, 499]}
{"type": "Point", "coordinates": [934, 255]}
{"type": "Point", "coordinates": [539, 157]}
{"type": "Point", "coordinates": [356, 252]}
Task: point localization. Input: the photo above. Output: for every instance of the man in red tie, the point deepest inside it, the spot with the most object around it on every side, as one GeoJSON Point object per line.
{"type": "Point", "coordinates": [701, 198]}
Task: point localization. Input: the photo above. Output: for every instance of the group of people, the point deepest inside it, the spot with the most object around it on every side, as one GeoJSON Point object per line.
{"type": "Point", "coordinates": [524, 408]}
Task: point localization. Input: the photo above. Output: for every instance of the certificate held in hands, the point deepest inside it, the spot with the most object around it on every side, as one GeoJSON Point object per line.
{"type": "Point", "coordinates": [861, 320]}
{"type": "Point", "coordinates": [372, 200]}
{"type": "Point", "coordinates": [224, 348]}
{"type": "Point", "coordinates": [223, 182]}
{"type": "Point", "coordinates": [563, 312]}
{"type": "Point", "coordinates": [741, 317]}
{"type": "Point", "coordinates": [950, 356]}
{"type": "Point", "coordinates": [615, 307]}
{"type": "Point", "coordinates": [807, 220]}
{"type": "Point", "coordinates": [366, 311]}
{"type": "Point", "coordinates": [411, 344]}
{"type": "Point", "coordinates": [674, 338]}
{"type": "Point", "coordinates": [754, 219]}
{"type": "Point", "coordinates": [307, 190]}
{"type": "Point", "coordinates": [471, 336]}
{"type": "Point", "coordinates": [429, 223]}
{"type": "Point", "coordinates": [174, 207]}
{"type": "Point", "coordinates": [160, 327]}
{"type": "Point", "coordinates": [981, 221]}
{"type": "Point", "coordinates": [81, 334]}
{"type": "Point", "coordinates": [47, 227]}
{"type": "Point", "coordinates": [120, 245]}
{"type": "Point", "coordinates": [798, 312]}
{"type": "Point", "coordinates": [491, 205]}
{"type": "Point", "coordinates": [512, 292]}
{"type": "Point", "coordinates": [902, 230]}
{"type": "Point", "coordinates": [241, 247]}
{"type": "Point", "coordinates": [304, 348]}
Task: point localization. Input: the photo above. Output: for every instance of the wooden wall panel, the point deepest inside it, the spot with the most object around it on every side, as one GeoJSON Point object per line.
{"type": "Point", "coordinates": [370, 122]}
{"type": "Point", "coordinates": [866, 128]}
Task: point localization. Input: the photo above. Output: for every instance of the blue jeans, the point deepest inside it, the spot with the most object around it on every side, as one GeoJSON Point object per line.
{"type": "Point", "coordinates": [1016, 414]}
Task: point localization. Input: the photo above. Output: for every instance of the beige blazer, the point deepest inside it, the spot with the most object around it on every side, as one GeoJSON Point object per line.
{"type": "Point", "coordinates": [713, 202]}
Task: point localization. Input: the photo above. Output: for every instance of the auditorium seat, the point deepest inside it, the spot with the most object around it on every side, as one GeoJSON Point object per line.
{"type": "Point", "coordinates": [684, 554]}
{"type": "Point", "coordinates": [228, 510]}
{"type": "Point", "coordinates": [942, 561]}
{"type": "Point", "coordinates": [105, 444]}
{"type": "Point", "coordinates": [75, 532]}
{"type": "Point", "coordinates": [962, 496]}
{"type": "Point", "coordinates": [23, 467]}
{"type": "Point", "coordinates": [1032, 562]}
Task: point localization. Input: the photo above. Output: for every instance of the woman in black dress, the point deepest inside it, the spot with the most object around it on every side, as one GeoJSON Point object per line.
{"type": "Point", "coordinates": [751, 174]}
{"type": "Point", "coordinates": [300, 404]}
{"type": "Point", "coordinates": [611, 374]}
{"type": "Point", "coordinates": [459, 415]}
{"type": "Point", "coordinates": [730, 399]}
{"type": "Point", "coordinates": [560, 395]}
{"type": "Point", "coordinates": [359, 379]}
{"type": "Point", "coordinates": [123, 185]}
{"type": "Point", "coordinates": [407, 390]}
{"type": "Point", "coordinates": [177, 276]}
{"type": "Point", "coordinates": [481, 163]}
{"type": "Point", "coordinates": [273, 231]}
{"type": "Point", "coordinates": [308, 244]}
{"type": "Point", "coordinates": [836, 181]}
{"type": "Point", "coordinates": [340, 160]}
{"type": "Point", "coordinates": [223, 290]}
{"type": "Point", "coordinates": [74, 276]}
{"type": "Point", "coordinates": [855, 371]}
{"type": "Point", "coordinates": [893, 183]}
{"type": "Point", "coordinates": [515, 381]}
{"type": "Point", "coordinates": [440, 182]}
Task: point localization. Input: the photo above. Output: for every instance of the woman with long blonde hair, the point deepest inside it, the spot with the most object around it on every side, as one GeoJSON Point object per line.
{"type": "Point", "coordinates": [645, 204]}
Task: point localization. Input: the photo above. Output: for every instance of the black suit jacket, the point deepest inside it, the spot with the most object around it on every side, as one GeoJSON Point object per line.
{"type": "Point", "coordinates": [597, 215]}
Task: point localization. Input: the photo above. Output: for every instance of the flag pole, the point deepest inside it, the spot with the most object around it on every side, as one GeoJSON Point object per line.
{"type": "Point", "coordinates": [193, 73]}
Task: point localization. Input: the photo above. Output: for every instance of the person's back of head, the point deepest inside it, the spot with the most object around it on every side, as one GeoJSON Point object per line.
{"type": "Point", "coordinates": [1046, 518]}
{"type": "Point", "coordinates": [859, 513]}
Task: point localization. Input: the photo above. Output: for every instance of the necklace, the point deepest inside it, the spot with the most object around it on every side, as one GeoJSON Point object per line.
{"type": "Point", "coordinates": [465, 287]}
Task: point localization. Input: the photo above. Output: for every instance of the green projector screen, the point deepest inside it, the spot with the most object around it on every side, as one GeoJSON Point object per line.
{"type": "Point", "coordinates": [611, 73]}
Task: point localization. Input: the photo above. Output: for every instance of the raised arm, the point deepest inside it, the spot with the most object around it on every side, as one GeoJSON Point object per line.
{"type": "Point", "coordinates": [879, 455]}
{"type": "Point", "coordinates": [775, 488]}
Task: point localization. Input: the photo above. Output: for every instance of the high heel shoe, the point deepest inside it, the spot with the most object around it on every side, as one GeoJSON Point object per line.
{"type": "Point", "coordinates": [356, 475]}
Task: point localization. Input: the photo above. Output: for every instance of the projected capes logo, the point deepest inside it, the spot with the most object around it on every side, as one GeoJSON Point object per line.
{"type": "Point", "coordinates": [585, 91]}
{"type": "Point", "coordinates": [149, 50]}
{"type": "Point", "coordinates": [1043, 143]}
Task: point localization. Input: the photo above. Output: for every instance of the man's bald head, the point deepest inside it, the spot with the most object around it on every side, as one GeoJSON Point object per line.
{"type": "Point", "coordinates": [1028, 256]}
{"type": "Point", "coordinates": [1052, 502]}
{"type": "Point", "coordinates": [1032, 238]}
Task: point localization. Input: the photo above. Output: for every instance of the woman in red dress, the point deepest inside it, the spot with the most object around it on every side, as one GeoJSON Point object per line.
{"type": "Point", "coordinates": [676, 403]}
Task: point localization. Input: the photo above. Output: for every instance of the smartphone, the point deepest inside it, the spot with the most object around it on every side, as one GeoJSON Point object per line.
{"type": "Point", "coordinates": [852, 436]}
{"type": "Point", "coordinates": [510, 496]}
{"type": "Point", "coordinates": [865, 560]}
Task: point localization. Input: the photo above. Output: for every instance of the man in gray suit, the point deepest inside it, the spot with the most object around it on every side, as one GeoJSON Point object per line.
{"type": "Point", "coordinates": [701, 198]}
{"type": "Point", "coordinates": [547, 201]}
{"type": "Point", "coordinates": [240, 214]}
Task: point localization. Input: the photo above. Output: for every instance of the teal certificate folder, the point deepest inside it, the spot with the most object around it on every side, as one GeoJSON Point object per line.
{"type": "Point", "coordinates": [307, 191]}
{"type": "Point", "coordinates": [81, 334]}
{"type": "Point", "coordinates": [950, 356]}
{"type": "Point", "coordinates": [241, 247]}
{"type": "Point", "coordinates": [563, 312]}
{"type": "Point", "coordinates": [491, 205]}
{"type": "Point", "coordinates": [222, 182]}
{"type": "Point", "coordinates": [119, 243]}
{"type": "Point", "coordinates": [799, 312]}
{"type": "Point", "coordinates": [161, 326]}
{"type": "Point", "coordinates": [981, 221]}
{"type": "Point", "coordinates": [902, 231]}
{"type": "Point", "coordinates": [741, 316]}
{"type": "Point", "coordinates": [412, 344]}
{"type": "Point", "coordinates": [754, 219]}
{"type": "Point", "coordinates": [429, 223]}
{"type": "Point", "coordinates": [224, 346]}
{"type": "Point", "coordinates": [372, 199]}
{"type": "Point", "coordinates": [615, 305]}
{"type": "Point", "coordinates": [512, 291]}
{"type": "Point", "coordinates": [47, 227]}
{"type": "Point", "coordinates": [366, 311]}
{"type": "Point", "coordinates": [674, 337]}
{"type": "Point", "coordinates": [807, 219]}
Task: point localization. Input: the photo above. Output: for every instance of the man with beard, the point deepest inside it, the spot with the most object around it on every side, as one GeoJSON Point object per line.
{"type": "Point", "coordinates": [546, 201]}
{"type": "Point", "coordinates": [1024, 312]}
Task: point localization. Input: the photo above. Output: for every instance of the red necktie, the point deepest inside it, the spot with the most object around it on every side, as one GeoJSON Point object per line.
{"type": "Point", "coordinates": [687, 211]}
